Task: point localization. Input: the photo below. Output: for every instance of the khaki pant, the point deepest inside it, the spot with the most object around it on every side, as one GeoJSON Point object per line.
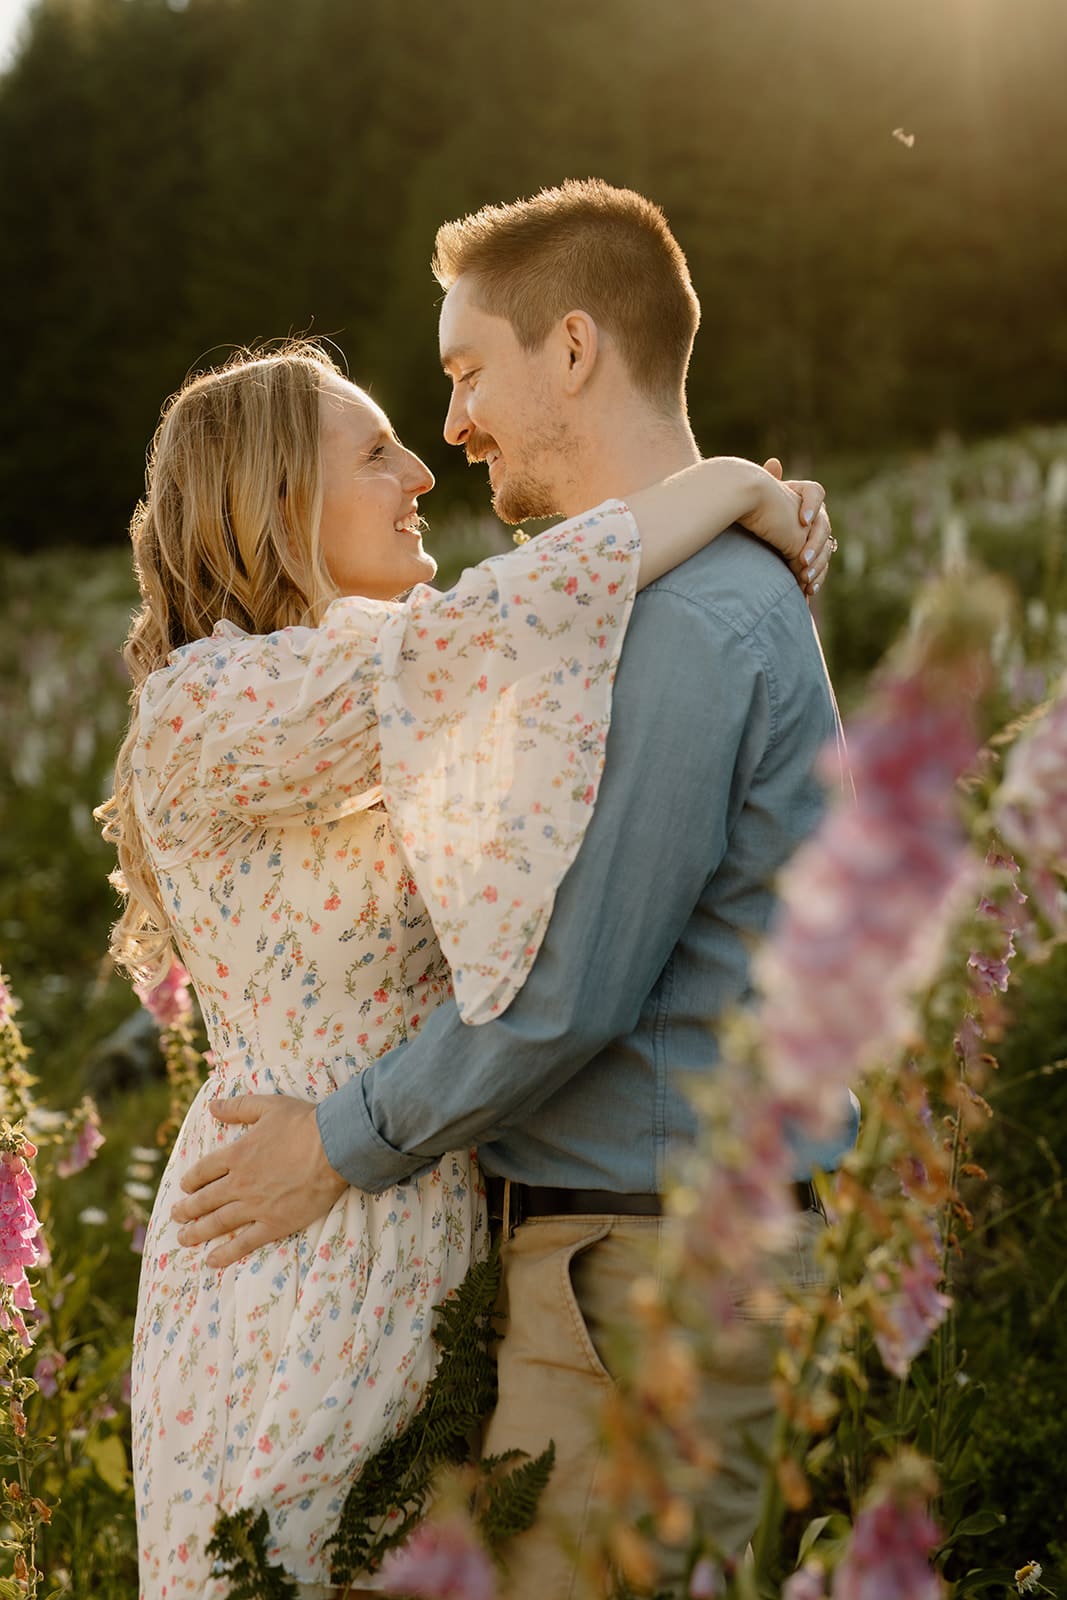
{"type": "Point", "coordinates": [565, 1289]}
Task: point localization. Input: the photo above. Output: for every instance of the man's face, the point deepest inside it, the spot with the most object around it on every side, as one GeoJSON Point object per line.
{"type": "Point", "coordinates": [506, 407]}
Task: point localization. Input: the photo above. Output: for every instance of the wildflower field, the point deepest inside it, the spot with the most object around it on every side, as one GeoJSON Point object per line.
{"type": "Point", "coordinates": [920, 957]}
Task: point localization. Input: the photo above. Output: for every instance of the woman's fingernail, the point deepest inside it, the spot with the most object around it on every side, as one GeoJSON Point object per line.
{"type": "Point", "coordinates": [809, 516]}
{"type": "Point", "coordinates": [809, 556]}
{"type": "Point", "coordinates": [815, 588]}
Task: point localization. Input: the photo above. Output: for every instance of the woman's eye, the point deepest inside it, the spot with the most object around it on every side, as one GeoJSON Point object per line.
{"type": "Point", "coordinates": [469, 377]}
{"type": "Point", "coordinates": [378, 453]}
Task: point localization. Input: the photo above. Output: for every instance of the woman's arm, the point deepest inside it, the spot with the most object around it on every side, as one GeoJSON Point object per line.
{"type": "Point", "coordinates": [685, 512]}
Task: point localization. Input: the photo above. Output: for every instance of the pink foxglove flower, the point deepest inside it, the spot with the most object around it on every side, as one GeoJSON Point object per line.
{"type": "Point", "coordinates": [441, 1561]}
{"type": "Point", "coordinates": [911, 1310]}
{"type": "Point", "coordinates": [889, 1554]}
{"type": "Point", "coordinates": [86, 1142]}
{"type": "Point", "coordinates": [990, 968]}
{"type": "Point", "coordinates": [45, 1373]}
{"type": "Point", "coordinates": [867, 902]}
{"type": "Point", "coordinates": [169, 1001]}
{"type": "Point", "coordinates": [969, 1045]}
{"type": "Point", "coordinates": [19, 1229]}
{"type": "Point", "coordinates": [745, 1212]}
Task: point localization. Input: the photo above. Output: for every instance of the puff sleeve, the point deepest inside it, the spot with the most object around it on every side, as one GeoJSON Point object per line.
{"type": "Point", "coordinates": [482, 713]}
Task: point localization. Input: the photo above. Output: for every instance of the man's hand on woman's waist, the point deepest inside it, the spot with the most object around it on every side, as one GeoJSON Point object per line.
{"type": "Point", "coordinates": [271, 1182]}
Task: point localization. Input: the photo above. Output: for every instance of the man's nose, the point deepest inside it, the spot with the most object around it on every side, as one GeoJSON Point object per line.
{"type": "Point", "coordinates": [457, 422]}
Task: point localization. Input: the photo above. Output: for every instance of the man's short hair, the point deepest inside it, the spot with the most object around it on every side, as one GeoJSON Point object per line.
{"type": "Point", "coordinates": [584, 246]}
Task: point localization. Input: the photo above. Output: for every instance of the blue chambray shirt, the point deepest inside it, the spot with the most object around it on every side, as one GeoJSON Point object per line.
{"type": "Point", "coordinates": [721, 705]}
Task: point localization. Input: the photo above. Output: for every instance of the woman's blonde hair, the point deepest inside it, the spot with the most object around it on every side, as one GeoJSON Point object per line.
{"type": "Point", "coordinates": [228, 529]}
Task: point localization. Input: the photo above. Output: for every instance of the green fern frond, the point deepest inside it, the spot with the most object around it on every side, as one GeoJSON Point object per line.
{"type": "Point", "coordinates": [239, 1546]}
{"type": "Point", "coordinates": [507, 1504]}
{"type": "Point", "coordinates": [390, 1495]}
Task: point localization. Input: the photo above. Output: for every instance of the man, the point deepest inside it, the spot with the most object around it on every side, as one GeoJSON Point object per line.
{"type": "Point", "coordinates": [566, 330]}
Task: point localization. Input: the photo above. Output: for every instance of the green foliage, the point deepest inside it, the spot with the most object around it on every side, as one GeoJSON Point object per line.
{"type": "Point", "coordinates": [62, 704]}
{"type": "Point", "coordinates": [229, 170]}
{"type": "Point", "coordinates": [390, 1494]}
{"type": "Point", "coordinates": [507, 1501]}
{"type": "Point", "coordinates": [240, 1549]}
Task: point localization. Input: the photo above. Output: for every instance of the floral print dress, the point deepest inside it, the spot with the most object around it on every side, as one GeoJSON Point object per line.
{"type": "Point", "coordinates": [345, 822]}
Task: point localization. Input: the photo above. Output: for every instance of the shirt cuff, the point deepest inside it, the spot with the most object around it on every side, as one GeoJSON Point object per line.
{"type": "Point", "coordinates": [355, 1148]}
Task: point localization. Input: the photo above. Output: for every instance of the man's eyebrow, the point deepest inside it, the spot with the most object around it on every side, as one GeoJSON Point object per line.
{"type": "Point", "coordinates": [454, 354]}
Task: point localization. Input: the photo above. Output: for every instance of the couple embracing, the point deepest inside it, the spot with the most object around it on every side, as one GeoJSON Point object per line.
{"type": "Point", "coordinates": [466, 869]}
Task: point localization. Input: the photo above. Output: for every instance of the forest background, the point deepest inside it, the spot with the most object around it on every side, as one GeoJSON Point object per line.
{"type": "Point", "coordinates": [872, 197]}
{"type": "Point", "coordinates": [873, 201]}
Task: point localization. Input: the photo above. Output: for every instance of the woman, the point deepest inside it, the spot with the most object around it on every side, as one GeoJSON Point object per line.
{"type": "Point", "coordinates": [299, 743]}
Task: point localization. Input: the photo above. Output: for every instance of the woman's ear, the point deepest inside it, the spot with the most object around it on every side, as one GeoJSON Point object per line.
{"type": "Point", "coordinates": [581, 347]}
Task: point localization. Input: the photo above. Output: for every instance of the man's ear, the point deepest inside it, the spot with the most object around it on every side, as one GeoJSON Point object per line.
{"type": "Point", "coordinates": [580, 341]}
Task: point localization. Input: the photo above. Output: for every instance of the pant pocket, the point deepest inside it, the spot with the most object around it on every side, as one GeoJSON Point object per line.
{"type": "Point", "coordinates": [583, 1337]}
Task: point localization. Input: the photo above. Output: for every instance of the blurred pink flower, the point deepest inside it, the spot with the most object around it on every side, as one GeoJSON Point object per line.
{"type": "Point", "coordinates": [441, 1561]}
{"type": "Point", "coordinates": [169, 1001]}
{"type": "Point", "coordinates": [745, 1212]}
{"type": "Point", "coordinates": [19, 1229]}
{"type": "Point", "coordinates": [867, 902]}
{"type": "Point", "coordinates": [969, 1045]}
{"type": "Point", "coordinates": [44, 1373]}
{"type": "Point", "coordinates": [888, 1556]}
{"type": "Point", "coordinates": [86, 1142]}
{"type": "Point", "coordinates": [7, 1003]}
{"type": "Point", "coordinates": [809, 1583]}
{"type": "Point", "coordinates": [911, 1310]}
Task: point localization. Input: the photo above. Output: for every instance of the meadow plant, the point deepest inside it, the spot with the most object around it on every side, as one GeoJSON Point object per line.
{"type": "Point", "coordinates": [64, 1420]}
{"type": "Point", "coordinates": [898, 926]}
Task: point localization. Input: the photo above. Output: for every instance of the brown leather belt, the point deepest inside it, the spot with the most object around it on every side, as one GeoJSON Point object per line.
{"type": "Point", "coordinates": [529, 1200]}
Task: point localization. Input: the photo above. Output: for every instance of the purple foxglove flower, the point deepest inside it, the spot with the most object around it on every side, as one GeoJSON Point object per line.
{"type": "Point", "coordinates": [867, 902]}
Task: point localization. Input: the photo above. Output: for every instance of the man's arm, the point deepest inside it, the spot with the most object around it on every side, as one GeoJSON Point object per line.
{"type": "Point", "coordinates": [691, 720]}
{"type": "Point", "coordinates": [689, 725]}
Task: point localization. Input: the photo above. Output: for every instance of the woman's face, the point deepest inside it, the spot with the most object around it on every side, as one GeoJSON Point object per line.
{"type": "Point", "coordinates": [370, 530]}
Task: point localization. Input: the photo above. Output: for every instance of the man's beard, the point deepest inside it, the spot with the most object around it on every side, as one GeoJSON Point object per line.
{"type": "Point", "coordinates": [524, 496]}
{"type": "Point", "coordinates": [521, 499]}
